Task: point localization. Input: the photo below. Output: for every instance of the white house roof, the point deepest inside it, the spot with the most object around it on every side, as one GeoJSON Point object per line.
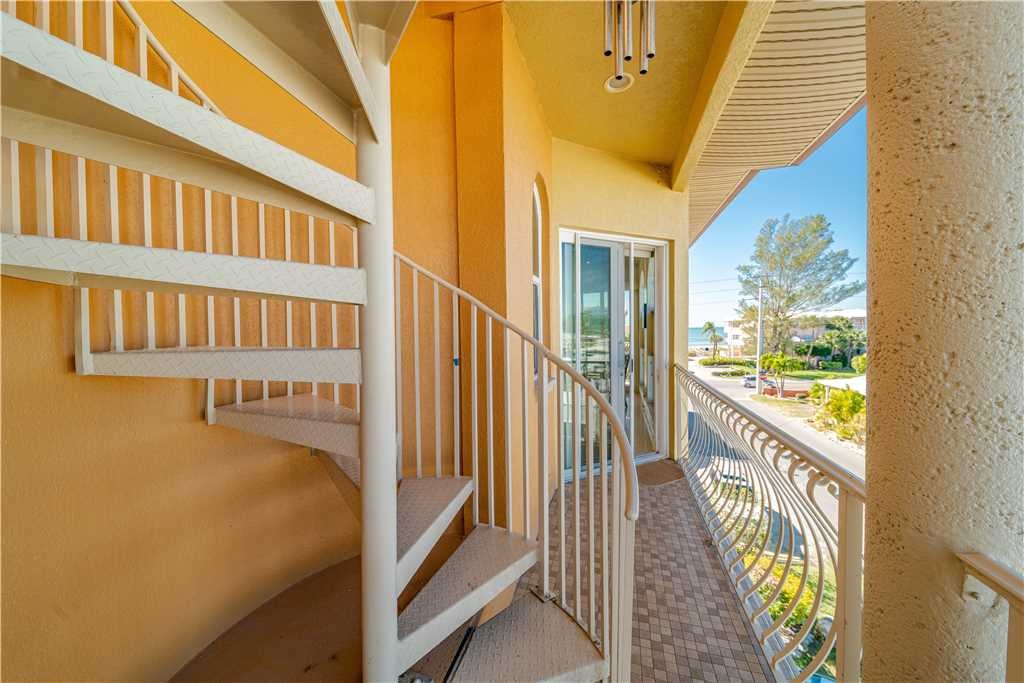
{"type": "Point", "coordinates": [858, 383]}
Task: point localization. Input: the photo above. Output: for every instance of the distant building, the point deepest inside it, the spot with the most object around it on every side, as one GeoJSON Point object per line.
{"type": "Point", "coordinates": [857, 316]}
{"type": "Point", "coordinates": [735, 338]}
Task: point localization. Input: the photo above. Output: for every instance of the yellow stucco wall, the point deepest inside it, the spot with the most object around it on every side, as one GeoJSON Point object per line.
{"type": "Point", "coordinates": [598, 191]}
{"type": "Point", "coordinates": [133, 533]}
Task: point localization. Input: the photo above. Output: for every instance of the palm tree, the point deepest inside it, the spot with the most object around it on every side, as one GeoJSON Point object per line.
{"type": "Point", "coordinates": [709, 331]}
{"type": "Point", "coordinates": [833, 339]}
{"type": "Point", "coordinates": [715, 339]}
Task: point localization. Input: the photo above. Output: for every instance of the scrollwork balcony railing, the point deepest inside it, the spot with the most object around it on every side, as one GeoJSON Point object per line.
{"type": "Point", "coordinates": [788, 525]}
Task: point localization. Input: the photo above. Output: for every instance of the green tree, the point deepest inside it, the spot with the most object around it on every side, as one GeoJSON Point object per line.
{"type": "Point", "coordinates": [860, 363]}
{"type": "Point", "coordinates": [712, 334]}
{"type": "Point", "coordinates": [779, 364]}
{"type": "Point", "coordinates": [715, 340]}
{"type": "Point", "coordinates": [833, 339]}
{"type": "Point", "coordinates": [812, 323]}
{"type": "Point", "coordinates": [844, 336]}
{"type": "Point", "coordinates": [800, 272]}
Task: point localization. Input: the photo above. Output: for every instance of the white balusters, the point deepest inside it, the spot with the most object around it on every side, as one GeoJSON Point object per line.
{"type": "Point", "coordinates": [116, 316]}
{"type": "Point", "coordinates": [12, 186]}
{"type": "Point", "coordinates": [334, 307]}
{"type": "Point", "coordinates": [416, 372]}
{"type": "Point", "coordinates": [311, 247]}
{"type": "Point", "coordinates": [526, 442]}
{"type": "Point", "coordinates": [780, 516]}
{"type": "Point", "coordinates": [399, 394]}
{"type": "Point", "coordinates": [596, 509]}
{"type": "Point", "coordinates": [261, 236]}
{"type": "Point", "coordinates": [236, 303]}
{"type": "Point", "coordinates": [288, 304]}
{"type": "Point", "coordinates": [507, 384]}
{"type": "Point", "coordinates": [437, 381]}
{"type": "Point", "coordinates": [456, 384]}
{"type": "Point", "coordinates": [179, 244]}
{"type": "Point", "coordinates": [489, 383]}
{"type": "Point", "coordinates": [474, 440]}
{"type": "Point", "coordinates": [147, 240]}
{"type": "Point", "coordinates": [44, 186]}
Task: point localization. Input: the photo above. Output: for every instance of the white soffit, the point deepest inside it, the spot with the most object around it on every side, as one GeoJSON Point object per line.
{"type": "Point", "coordinates": [803, 80]}
{"type": "Point", "coordinates": [314, 37]}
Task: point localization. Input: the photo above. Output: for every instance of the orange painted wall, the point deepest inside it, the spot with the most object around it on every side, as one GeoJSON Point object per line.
{"type": "Point", "coordinates": [426, 220]}
{"type": "Point", "coordinates": [133, 533]}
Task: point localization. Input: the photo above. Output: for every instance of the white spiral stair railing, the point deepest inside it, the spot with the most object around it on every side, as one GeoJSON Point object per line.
{"type": "Point", "coordinates": [471, 364]}
{"type": "Point", "coordinates": [788, 525]}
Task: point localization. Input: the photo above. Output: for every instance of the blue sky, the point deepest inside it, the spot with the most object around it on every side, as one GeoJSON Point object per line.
{"type": "Point", "coordinates": [832, 181]}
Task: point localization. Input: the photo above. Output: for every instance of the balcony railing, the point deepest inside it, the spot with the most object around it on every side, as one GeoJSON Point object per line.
{"type": "Point", "coordinates": [788, 525]}
{"type": "Point", "coordinates": [473, 400]}
{"type": "Point", "coordinates": [1004, 584]}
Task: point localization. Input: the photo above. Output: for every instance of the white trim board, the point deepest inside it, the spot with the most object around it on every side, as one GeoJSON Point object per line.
{"type": "Point", "coordinates": [279, 66]}
{"type": "Point", "coordinates": [79, 263]}
{"type": "Point", "coordinates": [48, 76]}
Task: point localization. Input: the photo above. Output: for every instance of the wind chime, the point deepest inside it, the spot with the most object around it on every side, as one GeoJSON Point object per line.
{"type": "Point", "coordinates": [618, 39]}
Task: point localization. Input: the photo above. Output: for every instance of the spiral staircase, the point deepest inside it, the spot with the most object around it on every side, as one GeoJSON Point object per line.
{"type": "Point", "coordinates": [63, 103]}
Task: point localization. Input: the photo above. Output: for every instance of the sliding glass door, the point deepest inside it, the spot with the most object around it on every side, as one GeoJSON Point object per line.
{"type": "Point", "coordinates": [612, 329]}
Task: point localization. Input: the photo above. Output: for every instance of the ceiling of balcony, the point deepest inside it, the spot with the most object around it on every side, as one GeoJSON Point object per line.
{"type": "Point", "coordinates": [563, 42]}
{"type": "Point", "coordinates": [804, 78]}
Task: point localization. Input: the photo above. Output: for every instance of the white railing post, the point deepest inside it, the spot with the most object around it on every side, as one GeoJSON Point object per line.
{"type": "Point", "coordinates": [850, 579]}
{"type": "Point", "coordinates": [377, 341]}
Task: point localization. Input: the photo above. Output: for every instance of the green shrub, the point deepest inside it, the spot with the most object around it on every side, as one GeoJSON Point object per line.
{"type": "Point", "coordinates": [843, 404]}
{"type": "Point", "coordinates": [830, 365]}
{"type": "Point", "coordinates": [816, 394]}
{"type": "Point", "coordinates": [860, 363]}
{"type": "Point", "coordinates": [714, 362]}
{"type": "Point", "coordinates": [733, 371]}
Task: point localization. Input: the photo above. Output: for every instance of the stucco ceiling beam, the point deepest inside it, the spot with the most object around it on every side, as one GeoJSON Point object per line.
{"type": "Point", "coordinates": [735, 39]}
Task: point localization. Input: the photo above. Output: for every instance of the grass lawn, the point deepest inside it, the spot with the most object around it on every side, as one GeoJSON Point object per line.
{"type": "Point", "coordinates": [789, 407]}
{"type": "Point", "coordinates": [821, 374]}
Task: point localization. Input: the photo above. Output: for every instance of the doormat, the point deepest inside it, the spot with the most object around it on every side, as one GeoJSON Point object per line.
{"type": "Point", "coordinates": [658, 473]}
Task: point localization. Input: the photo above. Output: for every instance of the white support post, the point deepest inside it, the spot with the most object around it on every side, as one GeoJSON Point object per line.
{"type": "Point", "coordinates": [377, 341]}
{"type": "Point", "coordinates": [851, 586]}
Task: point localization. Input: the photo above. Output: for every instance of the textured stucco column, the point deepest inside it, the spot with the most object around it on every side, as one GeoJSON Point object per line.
{"type": "Point", "coordinates": [945, 465]}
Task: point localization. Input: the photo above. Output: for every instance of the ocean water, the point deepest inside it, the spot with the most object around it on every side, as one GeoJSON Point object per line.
{"type": "Point", "coordinates": [698, 338]}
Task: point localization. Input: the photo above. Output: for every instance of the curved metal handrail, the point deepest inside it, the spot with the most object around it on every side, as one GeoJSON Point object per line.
{"type": "Point", "coordinates": [632, 507]}
{"type": "Point", "coordinates": [838, 473]}
{"type": "Point", "coordinates": [788, 525]}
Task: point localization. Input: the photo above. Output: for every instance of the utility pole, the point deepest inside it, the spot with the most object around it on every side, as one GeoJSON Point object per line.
{"type": "Point", "coordinates": [760, 332]}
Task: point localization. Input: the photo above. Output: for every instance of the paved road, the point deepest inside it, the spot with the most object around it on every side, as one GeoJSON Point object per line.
{"type": "Point", "coordinates": [844, 454]}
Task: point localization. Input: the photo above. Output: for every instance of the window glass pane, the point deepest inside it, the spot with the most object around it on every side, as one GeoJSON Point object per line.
{"type": "Point", "coordinates": [535, 233]}
{"type": "Point", "coordinates": [568, 302]}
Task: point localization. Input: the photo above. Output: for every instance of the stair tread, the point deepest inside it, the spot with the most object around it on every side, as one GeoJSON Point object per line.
{"type": "Point", "coordinates": [419, 503]}
{"type": "Point", "coordinates": [323, 364]}
{"type": "Point", "coordinates": [298, 407]}
{"type": "Point", "coordinates": [349, 464]}
{"type": "Point", "coordinates": [531, 641]}
{"type": "Point", "coordinates": [488, 561]}
{"type": "Point", "coordinates": [425, 508]}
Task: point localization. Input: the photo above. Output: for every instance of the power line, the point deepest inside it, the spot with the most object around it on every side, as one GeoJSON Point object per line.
{"type": "Point", "coordinates": [734, 278]}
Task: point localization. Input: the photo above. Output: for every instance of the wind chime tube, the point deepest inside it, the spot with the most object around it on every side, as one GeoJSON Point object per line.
{"type": "Point", "coordinates": [620, 67]}
{"type": "Point", "coordinates": [627, 28]}
{"type": "Point", "coordinates": [644, 26]}
{"type": "Point", "coordinates": [608, 30]}
{"type": "Point", "coordinates": [650, 29]}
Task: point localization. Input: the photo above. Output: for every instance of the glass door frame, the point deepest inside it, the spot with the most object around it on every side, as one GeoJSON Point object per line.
{"type": "Point", "coordinates": [622, 246]}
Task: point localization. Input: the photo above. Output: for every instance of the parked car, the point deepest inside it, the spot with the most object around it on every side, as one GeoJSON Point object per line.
{"type": "Point", "coordinates": [750, 381]}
